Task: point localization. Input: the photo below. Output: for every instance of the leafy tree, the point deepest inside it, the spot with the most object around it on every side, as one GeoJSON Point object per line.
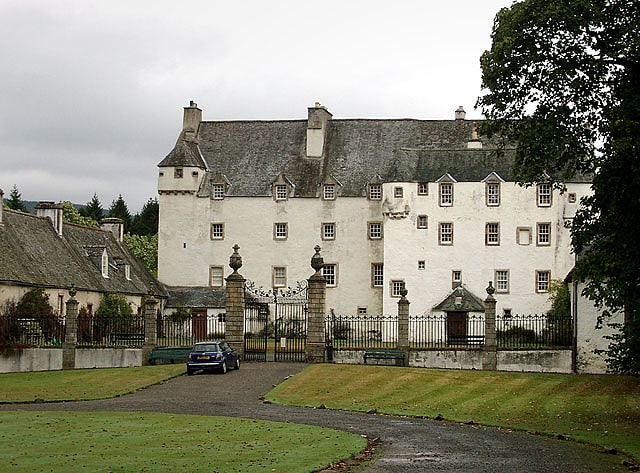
{"type": "Point", "coordinates": [120, 210]}
{"type": "Point", "coordinates": [146, 222]}
{"type": "Point", "coordinates": [93, 209]}
{"type": "Point", "coordinates": [70, 214]}
{"type": "Point", "coordinates": [562, 79]}
{"type": "Point", "coordinates": [34, 304]}
{"type": "Point", "coordinates": [559, 327]}
{"type": "Point", "coordinates": [14, 202]}
{"type": "Point", "coordinates": [114, 314]}
{"type": "Point", "coordinates": [145, 248]}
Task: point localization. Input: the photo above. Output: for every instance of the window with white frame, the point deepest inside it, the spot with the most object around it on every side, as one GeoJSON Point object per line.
{"type": "Point", "coordinates": [492, 234]}
{"type": "Point", "coordinates": [543, 278]}
{"type": "Point", "coordinates": [422, 221]}
{"type": "Point", "coordinates": [281, 192]}
{"type": "Point", "coordinates": [216, 276]}
{"type": "Point", "coordinates": [397, 285]}
{"type": "Point", "coordinates": [329, 192]}
{"type": "Point", "coordinates": [328, 231]}
{"type": "Point", "coordinates": [377, 274]}
{"type": "Point", "coordinates": [280, 231]}
{"type": "Point", "coordinates": [423, 188]}
{"type": "Point", "coordinates": [329, 271]}
{"type": "Point", "coordinates": [375, 230]}
{"type": "Point", "coordinates": [217, 191]}
{"type": "Point", "coordinates": [543, 234]}
{"type": "Point", "coordinates": [456, 278]}
{"type": "Point", "coordinates": [217, 231]}
{"type": "Point", "coordinates": [502, 280]}
{"type": "Point", "coordinates": [375, 191]}
{"type": "Point", "coordinates": [446, 194]}
{"type": "Point", "coordinates": [398, 192]}
{"type": "Point", "coordinates": [422, 265]}
{"type": "Point", "coordinates": [543, 191]}
{"type": "Point", "coordinates": [445, 233]}
{"type": "Point", "coordinates": [279, 276]}
{"type": "Point", "coordinates": [493, 193]}
{"type": "Point", "coordinates": [105, 264]}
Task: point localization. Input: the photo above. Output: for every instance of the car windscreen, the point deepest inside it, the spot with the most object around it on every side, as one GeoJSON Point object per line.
{"type": "Point", "coordinates": [208, 347]}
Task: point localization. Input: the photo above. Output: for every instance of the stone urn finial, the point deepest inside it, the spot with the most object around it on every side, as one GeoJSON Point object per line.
{"type": "Point", "coordinates": [73, 291]}
{"type": "Point", "coordinates": [490, 289]}
{"type": "Point", "coordinates": [317, 262]}
{"type": "Point", "coordinates": [235, 261]}
{"type": "Point", "coordinates": [403, 290]}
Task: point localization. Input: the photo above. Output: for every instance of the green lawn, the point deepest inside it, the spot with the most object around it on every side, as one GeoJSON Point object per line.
{"type": "Point", "coordinates": [598, 409]}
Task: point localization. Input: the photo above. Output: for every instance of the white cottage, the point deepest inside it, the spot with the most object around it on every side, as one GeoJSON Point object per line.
{"type": "Point", "coordinates": [427, 203]}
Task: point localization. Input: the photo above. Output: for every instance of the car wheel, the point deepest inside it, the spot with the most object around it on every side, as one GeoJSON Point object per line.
{"type": "Point", "coordinates": [237, 365]}
{"type": "Point", "coordinates": [223, 369]}
{"type": "Point", "coordinates": [190, 372]}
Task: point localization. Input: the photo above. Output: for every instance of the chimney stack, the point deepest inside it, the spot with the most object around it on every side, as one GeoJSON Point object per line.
{"type": "Point", "coordinates": [191, 121]}
{"type": "Point", "coordinates": [317, 126]}
{"type": "Point", "coordinates": [460, 113]}
{"type": "Point", "coordinates": [54, 212]}
{"type": "Point", "coordinates": [113, 225]}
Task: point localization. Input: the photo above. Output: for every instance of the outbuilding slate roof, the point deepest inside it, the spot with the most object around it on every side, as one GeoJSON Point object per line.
{"type": "Point", "coordinates": [33, 254]}
{"type": "Point", "coordinates": [195, 297]}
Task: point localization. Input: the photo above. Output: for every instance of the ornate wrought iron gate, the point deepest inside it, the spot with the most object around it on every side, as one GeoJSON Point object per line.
{"type": "Point", "coordinates": [275, 323]}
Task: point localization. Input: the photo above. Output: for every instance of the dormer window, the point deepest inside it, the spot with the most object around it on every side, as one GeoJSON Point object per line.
{"type": "Point", "coordinates": [127, 272]}
{"type": "Point", "coordinates": [329, 192]}
{"type": "Point", "coordinates": [281, 192]}
{"type": "Point", "coordinates": [104, 264]}
{"type": "Point", "coordinates": [544, 194]}
{"type": "Point", "coordinates": [217, 191]}
{"type": "Point", "coordinates": [375, 191]}
{"type": "Point", "coordinates": [218, 186]}
{"type": "Point", "coordinates": [282, 188]}
{"type": "Point", "coordinates": [445, 190]}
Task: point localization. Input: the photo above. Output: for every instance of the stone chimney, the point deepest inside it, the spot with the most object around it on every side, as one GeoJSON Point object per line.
{"type": "Point", "coordinates": [460, 113]}
{"type": "Point", "coordinates": [113, 225]}
{"type": "Point", "coordinates": [191, 121]}
{"type": "Point", "coordinates": [317, 126]}
{"type": "Point", "coordinates": [53, 211]}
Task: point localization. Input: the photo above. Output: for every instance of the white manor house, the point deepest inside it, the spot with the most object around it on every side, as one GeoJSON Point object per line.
{"type": "Point", "coordinates": [424, 203]}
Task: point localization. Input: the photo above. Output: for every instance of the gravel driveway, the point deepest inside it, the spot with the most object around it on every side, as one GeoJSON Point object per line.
{"type": "Point", "coordinates": [405, 445]}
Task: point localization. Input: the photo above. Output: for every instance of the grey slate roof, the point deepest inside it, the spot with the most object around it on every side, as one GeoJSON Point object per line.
{"type": "Point", "coordinates": [195, 297]}
{"type": "Point", "coordinates": [470, 302]}
{"type": "Point", "coordinates": [33, 254]}
{"type": "Point", "coordinates": [251, 154]}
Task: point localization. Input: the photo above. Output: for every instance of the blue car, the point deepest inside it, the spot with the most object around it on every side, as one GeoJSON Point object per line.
{"type": "Point", "coordinates": [212, 356]}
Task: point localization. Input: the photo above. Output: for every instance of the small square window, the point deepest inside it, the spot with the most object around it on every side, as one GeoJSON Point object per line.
{"type": "Point", "coordinates": [543, 278]}
{"type": "Point", "coordinates": [493, 194]}
{"type": "Point", "coordinates": [422, 265]}
{"type": "Point", "coordinates": [329, 271]}
{"type": "Point", "coordinates": [375, 192]}
{"type": "Point", "coordinates": [456, 278]}
{"type": "Point", "coordinates": [398, 192]}
{"type": "Point", "coordinates": [328, 231]}
{"type": "Point", "coordinates": [375, 230]}
{"type": "Point", "coordinates": [329, 192]}
{"type": "Point", "coordinates": [377, 274]}
{"type": "Point", "coordinates": [217, 231]}
{"type": "Point", "coordinates": [446, 194]}
{"type": "Point", "coordinates": [544, 190]}
{"type": "Point", "coordinates": [506, 313]}
{"type": "Point", "coordinates": [423, 188]}
{"type": "Point", "coordinates": [217, 191]}
{"type": "Point", "coordinates": [281, 192]}
{"type": "Point", "coordinates": [178, 173]}
{"type": "Point", "coordinates": [279, 276]}
{"type": "Point", "coordinates": [216, 276]}
{"type": "Point", "coordinates": [397, 285]}
{"type": "Point", "coordinates": [422, 221]}
{"type": "Point", "coordinates": [362, 311]}
{"type": "Point", "coordinates": [280, 231]}
{"type": "Point", "coordinates": [492, 234]}
{"type": "Point", "coordinates": [572, 197]}
{"type": "Point", "coordinates": [445, 233]}
{"type": "Point", "coordinates": [502, 280]}
{"type": "Point", "coordinates": [544, 234]}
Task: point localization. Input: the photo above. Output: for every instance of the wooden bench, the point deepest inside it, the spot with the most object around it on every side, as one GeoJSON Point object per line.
{"type": "Point", "coordinates": [127, 338]}
{"type": "Point", "coordinates": [465, 341]}
{"type": "Point", "coordinates": [383, 354]}
{"type": "Point", "coordinates": [169, 354]}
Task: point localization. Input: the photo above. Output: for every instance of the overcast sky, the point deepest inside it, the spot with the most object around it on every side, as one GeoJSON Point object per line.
{"type": "Point", "coordinates": [92, 91]}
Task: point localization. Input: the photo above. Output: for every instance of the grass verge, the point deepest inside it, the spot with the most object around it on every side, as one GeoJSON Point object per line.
{"type": "Point", "coordinates": [80, 385]}
{"type": "Point", "coordinates": [598, 409]}
{"type": "Point", "coordinates": [125, 442]}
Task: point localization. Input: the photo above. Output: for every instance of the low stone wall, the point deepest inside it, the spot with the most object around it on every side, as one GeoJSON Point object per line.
{"type": "Point", "coordinates": [541, 361]}
{"type": "Point", "coordinates": [50, 359]}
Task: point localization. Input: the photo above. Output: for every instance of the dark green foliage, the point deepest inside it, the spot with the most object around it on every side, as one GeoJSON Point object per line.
{"type": "Point", "coordinates": [93, 209]}
{"type": "Point", "coordinates": [562, 79]}
{"type": "Point", "coordinates": [146, 222]}
{"type": "Point", "coordinates": [181, 314]}
{"type": "Point", "coordinates": [114, 314]}
{"type": "Point", "coordinates": [120, 210]}
{"type": "Point", "coordinates": [14, 202]}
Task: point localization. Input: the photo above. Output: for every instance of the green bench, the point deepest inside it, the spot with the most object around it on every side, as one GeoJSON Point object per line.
{"type": "Point", "coordinates": [169, 354]}
{"type": "Point", "coordinates": [383, 354]}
